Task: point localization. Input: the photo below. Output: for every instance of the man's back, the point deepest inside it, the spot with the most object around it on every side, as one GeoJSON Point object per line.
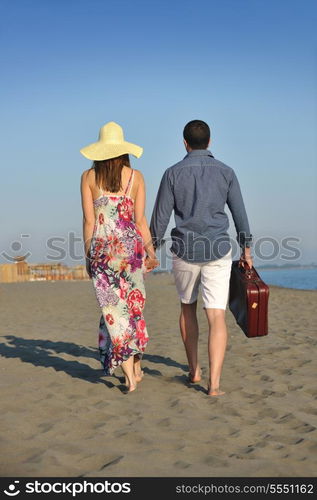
{"type": "Point", "coordinates": [197, 188]}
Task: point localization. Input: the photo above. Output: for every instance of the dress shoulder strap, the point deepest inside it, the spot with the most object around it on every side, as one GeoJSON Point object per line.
{"type": "Point", "coordinates": [129, 185]}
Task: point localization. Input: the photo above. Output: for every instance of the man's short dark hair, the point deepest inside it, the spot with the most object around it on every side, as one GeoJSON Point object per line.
{"type": "Point", "coordinates": [197, 134]}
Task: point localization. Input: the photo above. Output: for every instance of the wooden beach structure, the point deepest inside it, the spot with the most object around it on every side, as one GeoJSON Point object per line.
{"type": "Point", "coordinates": [20, 270]}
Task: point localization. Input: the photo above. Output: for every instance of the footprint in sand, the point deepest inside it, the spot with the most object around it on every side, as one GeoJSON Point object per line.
{"type": "Point", "coordinates": [274, 394]}
{"type": "Point", "coordinates": [248, 449]}
{"type": "Point", "coordinates": [287, 439]}
{"type": "Point", "coordinates": [181, 465]}
{"type": "Point", "coordinates": [45, 427]}
{"type": "Point", "coordinates": [268, 412]}
{"type": "Point", "coordinates": [294, 387]}
{"type": "Point", "coordinates": [166, 422]}
{"type": "Point", "coordinates": [266, 378]}
{"type": "Point", "coordinates": [304, 427]}
{"type": "Point", "coordinates": [235, 433]}
{"type": "Point", "coordinates": [310, 411]}
{"type": "Point", "coordinates": [285, 371]}
{"type": "Point", "coordinates": [98, 425]}
{"type": "Point", "coordinates": [215, 461]}
{"type": "Point", "coordinates": [289, 418]}
{"type": "Point", "coordinates": [312, 391]}
{"type": "Point", "coordinates": [261, 444]}
{"type": "Point", "coordinates": [232, 412]}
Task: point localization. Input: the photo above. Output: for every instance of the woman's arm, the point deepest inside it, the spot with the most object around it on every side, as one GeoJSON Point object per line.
{"type": "Point", "coordinates": [139, 215]}
{"type": "Point", "coordinates": [88, 212]}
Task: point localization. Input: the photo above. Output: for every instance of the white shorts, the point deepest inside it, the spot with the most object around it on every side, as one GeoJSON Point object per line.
{"type": "Point", "coordinates": [214, 277]}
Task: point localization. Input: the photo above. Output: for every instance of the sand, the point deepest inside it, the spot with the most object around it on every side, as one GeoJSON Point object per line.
{"type": "Point", "coordinates": [60, 416]}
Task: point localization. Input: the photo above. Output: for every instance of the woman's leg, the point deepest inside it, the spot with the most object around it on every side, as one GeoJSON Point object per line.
{"type": "Point", "coordinates": [138, 372]}
{"type": "Point", "coordinates": [127, 368]}
{"type": "Point", "coordinates": [140, 334]}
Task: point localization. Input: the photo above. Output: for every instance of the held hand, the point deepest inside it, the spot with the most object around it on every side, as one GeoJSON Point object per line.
{"type": "Point", "coordinates": [248, 259]}
{"type": "Point", "coordinates": [151, 263]}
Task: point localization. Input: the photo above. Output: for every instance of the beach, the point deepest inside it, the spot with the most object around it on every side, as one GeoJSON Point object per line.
{"type": "Point", "coordinates": [60, 416]}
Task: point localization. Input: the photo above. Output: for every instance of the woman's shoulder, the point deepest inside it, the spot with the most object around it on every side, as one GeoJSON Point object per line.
{"type": "Point", "coordinates": [138, 176]}
{"type": "Point", "coordinates": [88, 173]}
{"type": "Point", "coordinates": [88, 176]}
{"type": "Point", "coordinates": [139, 181]}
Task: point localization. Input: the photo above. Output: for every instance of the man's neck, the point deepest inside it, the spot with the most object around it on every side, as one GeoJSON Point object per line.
{"type": "Point", "coordinates": [189, 150]}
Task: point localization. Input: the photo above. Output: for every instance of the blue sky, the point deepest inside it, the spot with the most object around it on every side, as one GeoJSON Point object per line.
{"type": "Point", "coordinates": [247, 67]}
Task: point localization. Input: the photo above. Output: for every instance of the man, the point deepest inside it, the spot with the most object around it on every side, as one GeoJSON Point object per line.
{"type": "Point", "coordinates": [197, 189]}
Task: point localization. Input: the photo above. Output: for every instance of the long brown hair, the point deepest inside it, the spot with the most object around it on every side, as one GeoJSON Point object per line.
{"type": "Point", "coordinates": [108, 172]}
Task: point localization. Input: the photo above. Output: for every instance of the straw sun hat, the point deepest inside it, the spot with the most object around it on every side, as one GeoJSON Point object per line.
{"type": "Point", "coordinates": [111, 143]}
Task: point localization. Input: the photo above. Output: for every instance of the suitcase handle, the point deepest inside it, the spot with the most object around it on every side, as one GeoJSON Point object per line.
{"type": "Point", "coordinates": [245, 261]}
{"type": "Point", "coordinates": [249, 271]}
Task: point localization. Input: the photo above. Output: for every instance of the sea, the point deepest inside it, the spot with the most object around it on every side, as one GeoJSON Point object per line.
{"type": "Point", "coordinates": [299, 278]}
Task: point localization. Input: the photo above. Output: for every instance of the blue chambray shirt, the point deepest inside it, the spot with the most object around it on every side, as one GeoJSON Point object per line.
{"type": "Point", "coordinates": [197, 189]}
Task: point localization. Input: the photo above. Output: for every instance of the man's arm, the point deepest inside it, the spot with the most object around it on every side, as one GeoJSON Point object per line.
{"type": "Point", "coordinates": [162, 210]}
{"type": "Point", "coordinates": [239, 215]}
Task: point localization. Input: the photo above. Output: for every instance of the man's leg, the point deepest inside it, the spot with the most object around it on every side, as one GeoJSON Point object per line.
{"type": "Point", "coordinates": [187, 279]}
{"type": "Point", "coordinates": [215, 278]}
{"type": "Point", "coordinates": [189, 331]}
{"type": "Point", "coordinates": [217, 343]}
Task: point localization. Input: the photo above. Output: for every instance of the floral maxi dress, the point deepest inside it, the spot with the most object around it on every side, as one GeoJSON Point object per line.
{"type": "Point", "coordinates": [117, 268]}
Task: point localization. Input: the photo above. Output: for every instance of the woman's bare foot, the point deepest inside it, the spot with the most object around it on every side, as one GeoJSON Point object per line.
{"type": "Point", "coordinates": [214, 392]}
{"type": "Point", "coordinates": [131, 386]}
{"type": "Point", "coordinates": [128, 371]}
{"type": "Point", "coordinates": [138, 373]}
{"type": "Point", "coordinates": [194, 377]}
{"type": "Point", "coordinates": [139, 376]}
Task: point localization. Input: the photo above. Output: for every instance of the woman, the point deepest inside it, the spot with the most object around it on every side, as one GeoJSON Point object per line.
{"type": "Point", "coordinates": [116, 237]}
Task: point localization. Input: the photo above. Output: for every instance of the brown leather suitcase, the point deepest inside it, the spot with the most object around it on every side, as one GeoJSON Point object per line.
{"type": "Point", "coordinates": [248, 299]}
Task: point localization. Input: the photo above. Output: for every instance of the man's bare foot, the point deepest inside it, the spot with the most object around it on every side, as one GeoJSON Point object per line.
{"type": "Point", "coordinates": [196, 377]}
{"type": "Point", "coordinates": [214, 392]}
{"type": "Point", "coordinates": [139, 376]}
